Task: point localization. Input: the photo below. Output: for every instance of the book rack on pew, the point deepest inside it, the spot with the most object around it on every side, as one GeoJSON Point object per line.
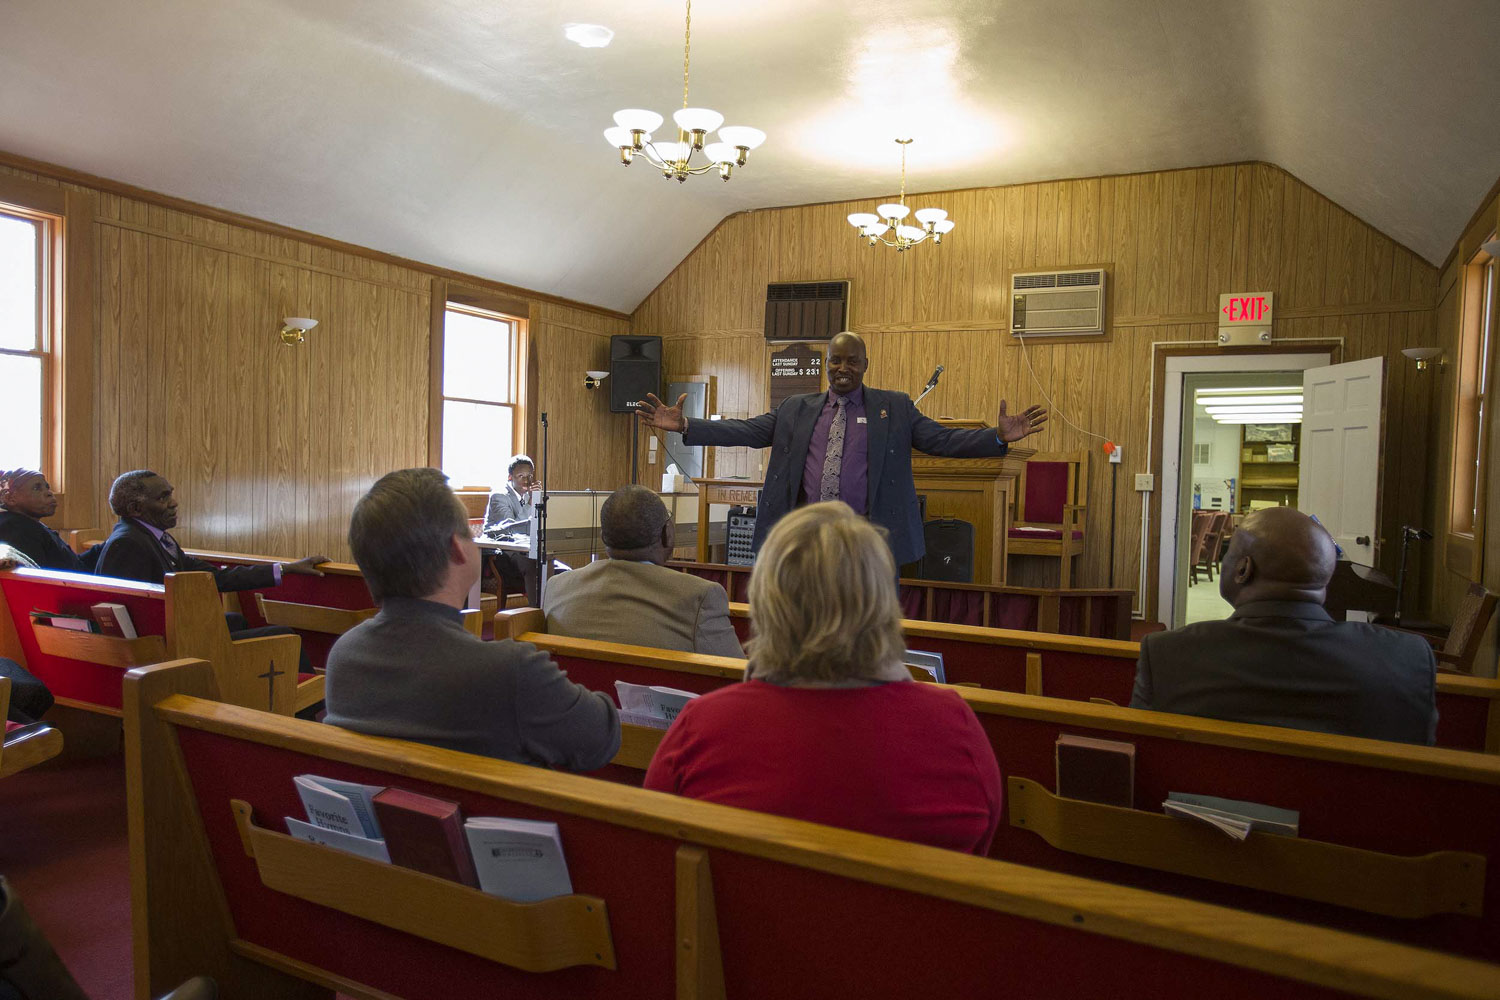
{"type": "Point", "coordinates": [1101, 613]}
{"type": "Point", "coordinates": [1380, 808]}
{"type": "Point", "coordinates": [693, 899]}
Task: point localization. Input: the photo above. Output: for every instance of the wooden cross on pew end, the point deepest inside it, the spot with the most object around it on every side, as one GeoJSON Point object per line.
{"type": "Point", "coordinates": [270, 678]}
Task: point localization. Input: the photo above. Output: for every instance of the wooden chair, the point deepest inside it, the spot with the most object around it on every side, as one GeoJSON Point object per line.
{"type": "Point", "coordinates": [217, 888]}
{"type": "Point", "coordinates": [24, 745]}
{"type": "Point", "coordinates": [1197, 543]}
{"type": "Point", "coordinates": [1469, 622]}
{"type": "Point", "coordinates": [1050, 503]}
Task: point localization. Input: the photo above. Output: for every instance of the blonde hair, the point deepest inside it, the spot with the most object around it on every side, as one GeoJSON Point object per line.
{"type": "Point", "coordinates": [823, 599]}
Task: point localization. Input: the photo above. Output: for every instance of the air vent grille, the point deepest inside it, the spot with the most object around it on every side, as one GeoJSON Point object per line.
{"type": "Point", "coordinates": [806, 310]}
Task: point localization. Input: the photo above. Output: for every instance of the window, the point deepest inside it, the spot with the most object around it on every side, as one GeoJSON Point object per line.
{"type": "Point", "coordinates": [1476, 341]}
{"type": "Point", "coordinates": [26, 336]}
{"type": "Point", "coordinates": [480, 394]}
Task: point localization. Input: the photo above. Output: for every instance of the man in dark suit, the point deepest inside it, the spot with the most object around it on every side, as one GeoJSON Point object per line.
{"type": "Point", "coordinates": [1280, 660]}
{"type": "Point", "coordinates": [25, 498]}
{"type": "Point", "coordinates": [852, 443]}
{"type": "Point", "coordinates": [141, 547]}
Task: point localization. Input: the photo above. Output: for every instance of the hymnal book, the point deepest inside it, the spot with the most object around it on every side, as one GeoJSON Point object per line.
{"type": "Point", "coordinates": [518, 859]}
{"type": "Point", "coordinates": [425, 834]}
{"type": "Point", "coordinates": [114, 619]}
{"type": "Point", "coordinates": [365, 847]}
{"type": "Point", "coordinates": [344, 806]}
{"type": "Point", "coordinates": [1095, 770]}
{"type": "Point", "coordinates": [932, 663]}
{"type": "Point", "coordinates": [649, 705]}
{"type": "Point", "coordinates": [56, 620]}
{"type": "Point", "coordinates": [1234, 818]}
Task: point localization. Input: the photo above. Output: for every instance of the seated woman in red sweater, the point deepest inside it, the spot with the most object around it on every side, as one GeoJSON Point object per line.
{"type": "Point", "coordinates": [829, 726]}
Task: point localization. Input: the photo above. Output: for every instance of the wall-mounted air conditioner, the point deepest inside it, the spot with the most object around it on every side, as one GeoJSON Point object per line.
{"type": "Point", "coordinates": [1057, 303]}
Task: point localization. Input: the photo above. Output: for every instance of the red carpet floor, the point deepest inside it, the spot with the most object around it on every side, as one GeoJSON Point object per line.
{"type": "Point", "coordinates": [63, 848]}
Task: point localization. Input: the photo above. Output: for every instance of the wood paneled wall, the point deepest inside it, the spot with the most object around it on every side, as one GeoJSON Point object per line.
{"type": "Point", "coordinates": [270, 446]}
{"type": "Point", "coordinates": [1173, 241]}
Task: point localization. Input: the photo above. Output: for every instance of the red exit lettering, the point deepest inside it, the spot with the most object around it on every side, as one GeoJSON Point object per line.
{"type": "Point", "coordinates": [1240, 309]}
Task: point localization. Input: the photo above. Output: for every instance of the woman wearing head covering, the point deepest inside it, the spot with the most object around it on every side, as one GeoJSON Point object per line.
{"type": "Point", "coordinates": [26, 498]}
{"type": "Point", "coordinates": [829, 726]}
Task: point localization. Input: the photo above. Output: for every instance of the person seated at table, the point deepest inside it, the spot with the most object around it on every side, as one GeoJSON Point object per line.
{"type": "Point", "coordinates": [1280, 659]}
{"type": "Point", "coordinates": [632, 596]}
{"type": "Point", "coordinates": [142, 548]}
{"type": "Point", "coordinates": [828, 725]}
{"type": "Point", "coordinates": [414, 672]}
{"type": "Point", "coordinates": [26, 498]}
{"type": "Point", "coordinates": [509, 511]}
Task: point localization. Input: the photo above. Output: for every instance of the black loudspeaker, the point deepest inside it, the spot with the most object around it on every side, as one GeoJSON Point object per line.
{"type": "Point", "coordinates": [950, 551]}
{"type": "Point", "coordinates": [634, 370]}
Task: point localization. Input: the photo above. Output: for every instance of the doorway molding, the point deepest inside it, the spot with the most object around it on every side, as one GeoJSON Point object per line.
{"type": "Point", "coordinates": [1169, 476]}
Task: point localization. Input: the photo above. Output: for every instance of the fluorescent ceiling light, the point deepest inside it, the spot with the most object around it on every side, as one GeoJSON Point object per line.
{"type": "Point", "coordinates": [1264, 418]}
{"type": "Point", "coordinates": [590, 36]}
{"type": "Point", "coordinates": [1239, 391]}
{"type": "Point", "coordinates": [1251, 410]}
{"type": "Point", "coordinates": [1256, 400]}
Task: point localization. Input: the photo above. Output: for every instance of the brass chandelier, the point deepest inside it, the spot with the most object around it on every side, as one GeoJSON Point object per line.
{"type": "Point", "coordinates": [888, 226]}
{"type": "Point", "coordinates": [633, 128]}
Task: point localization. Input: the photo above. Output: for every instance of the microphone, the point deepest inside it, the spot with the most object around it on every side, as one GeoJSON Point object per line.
{"type": "Point", "coordinates": [932, 382]}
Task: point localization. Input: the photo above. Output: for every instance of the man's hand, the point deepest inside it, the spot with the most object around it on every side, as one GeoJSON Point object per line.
{"type": "Point", "coordinates": [1023, 424]}
{"type": "Point", "coordinates": [655, 413]}
{"type": "Point", "coordinates": [305, 567]}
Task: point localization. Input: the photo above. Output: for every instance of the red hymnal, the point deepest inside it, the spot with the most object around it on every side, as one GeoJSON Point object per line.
{"type": "Point", "coordinates": [1096, 770]}
{"type": "Point", "coordinates": [425, 834]}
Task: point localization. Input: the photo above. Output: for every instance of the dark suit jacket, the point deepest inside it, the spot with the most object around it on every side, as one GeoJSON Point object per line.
{"type": "Point", "coordinates": [133, 553]}
{"type": "Point", "coordinates": [895, 427]}
{"type": "Point", "coordinates": [1287, 663]}
{"type": "Point", "coordinates": [44, 546]}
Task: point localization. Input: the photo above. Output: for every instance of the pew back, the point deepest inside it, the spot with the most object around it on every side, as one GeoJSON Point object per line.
{"type": "Point", "coordinates": [1377, 803]}
{"type": "Point", "coordinates": [717, 901]}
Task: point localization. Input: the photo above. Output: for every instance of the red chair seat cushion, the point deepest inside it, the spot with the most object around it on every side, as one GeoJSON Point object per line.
{"type": "Point", "coordinates": [1045, 534]}
{"type": "Point", "coordinates": [11, 727]}
{"type": "Point", "coordinates": [304, 678]}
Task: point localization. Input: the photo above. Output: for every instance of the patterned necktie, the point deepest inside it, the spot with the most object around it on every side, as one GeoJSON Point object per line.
{"type": "Point", "coordinates": [833, 459]}
{"type": "Point", "coordinates": [173, 550]}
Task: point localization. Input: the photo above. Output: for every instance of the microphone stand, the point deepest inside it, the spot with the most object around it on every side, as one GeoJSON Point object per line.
{"type": "Point", "coordinates": [931, 385]}
{"type": "Point", "coordinates": [539, 518]}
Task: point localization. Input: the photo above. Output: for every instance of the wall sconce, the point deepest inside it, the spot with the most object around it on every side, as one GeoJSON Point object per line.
{"type": "Point", "coordinates": [592, 379]}
{"type": "Point", "coordinates": [1425, 356]}
{"type": "Point", "coordinates": [295, 330]}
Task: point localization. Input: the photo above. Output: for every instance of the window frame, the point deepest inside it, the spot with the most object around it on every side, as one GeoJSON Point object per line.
{"type": "Point", "coordinates": [67, 333]}
{"type": "Point", "coordinates": [1473, 410]}
{"type": "Point", "coordinates": [48, 265]}
{"type": "Point", "coordinates": [483, 302]}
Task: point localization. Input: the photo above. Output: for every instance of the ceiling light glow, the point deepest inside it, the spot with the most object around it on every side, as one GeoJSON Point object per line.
{"type": "Point", "coordinates": [590, 36]}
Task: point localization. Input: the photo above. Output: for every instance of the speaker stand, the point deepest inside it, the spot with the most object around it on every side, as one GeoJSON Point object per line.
{"type": "Point", "coordinates": [635, 449]}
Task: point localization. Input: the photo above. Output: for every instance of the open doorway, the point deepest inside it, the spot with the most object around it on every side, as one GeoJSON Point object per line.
{"type": "Point", "coordinates": [1230, 444]}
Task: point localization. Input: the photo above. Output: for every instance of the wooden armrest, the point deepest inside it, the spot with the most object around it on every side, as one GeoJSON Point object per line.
{"type": "Point", "coordinates": [309, 693]}
{"type": "Point", "coordinates": [29, 749]}
{"type": "Point", "coordinates": [513, 622]}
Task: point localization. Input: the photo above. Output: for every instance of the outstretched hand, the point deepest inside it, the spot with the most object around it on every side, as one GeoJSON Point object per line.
{"type": "Point", "coordinates": [305, 567]}
{"type": "Point", "coordinates": [654, 413]}
{"type": "Point", "coordinates": [1023, 424]}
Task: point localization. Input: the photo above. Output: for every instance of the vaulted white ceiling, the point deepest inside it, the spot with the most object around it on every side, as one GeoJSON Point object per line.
{"type": "Point", "coordinates": [467, 134]}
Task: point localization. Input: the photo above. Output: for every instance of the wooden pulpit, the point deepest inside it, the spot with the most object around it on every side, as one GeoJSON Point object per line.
{"type": "Point", "coordinates": [977, 490]}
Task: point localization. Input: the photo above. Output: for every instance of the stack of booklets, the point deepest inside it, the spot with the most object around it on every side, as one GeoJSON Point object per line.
{"type": "Point", "coordinates": [649, 705]}
{"type": "Point", "coordinates": [1233, 818]}
{"type": "Point", "coordinates": [515, 859]}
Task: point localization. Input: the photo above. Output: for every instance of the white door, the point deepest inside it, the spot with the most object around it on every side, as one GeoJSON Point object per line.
{"type": "Point", "coordinates": [1338, 474]}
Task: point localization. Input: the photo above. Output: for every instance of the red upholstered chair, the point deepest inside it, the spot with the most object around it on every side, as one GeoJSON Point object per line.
{"type": "Point", "coordinates": [1049, 509]}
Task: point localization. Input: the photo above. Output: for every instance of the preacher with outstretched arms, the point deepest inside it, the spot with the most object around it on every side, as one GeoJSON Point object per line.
{"type": "Point", "coordinates": [852, 443]}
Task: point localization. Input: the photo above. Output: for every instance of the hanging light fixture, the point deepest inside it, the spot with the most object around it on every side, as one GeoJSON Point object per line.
{"type": "Point", "coordinates": [634, 128]}
{"type": "Point", "coordinates": [888, 226]}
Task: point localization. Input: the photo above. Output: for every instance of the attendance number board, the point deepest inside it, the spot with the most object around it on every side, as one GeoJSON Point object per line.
{"type": "Point", "coordinates": [796, 369]}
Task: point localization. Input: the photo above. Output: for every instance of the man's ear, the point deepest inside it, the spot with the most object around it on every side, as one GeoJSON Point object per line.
{"type": "Point", "coordinates": [457, 554]}
{"type": "Point", "coordinates": [1244, 570]}
{"type": "Point", "coordinates": [669, 535]}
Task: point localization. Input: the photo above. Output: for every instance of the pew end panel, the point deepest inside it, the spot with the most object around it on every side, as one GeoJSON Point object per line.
{"type": "Point", "coordinates": [512, 623]}
{"type": "Point", "coordinates": [791, 905]}
{"type": "Point", "coordinates": [24, 746]}
{"type": "Point", "coordinates": [259, 673]}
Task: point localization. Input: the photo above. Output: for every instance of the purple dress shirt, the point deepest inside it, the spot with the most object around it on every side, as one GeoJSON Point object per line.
{"type": "Point", "coordinates": [158, 532]}
{"type": "Point", "coordinates": [854, 471]}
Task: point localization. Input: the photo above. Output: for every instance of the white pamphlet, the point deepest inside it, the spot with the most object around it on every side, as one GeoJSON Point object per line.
{"type": "Point", "coordinates": [365, 847]}
{"type": "Point", "coordinates": [518, 859]}
{"type": "Point", "coordinates": [343, 806]}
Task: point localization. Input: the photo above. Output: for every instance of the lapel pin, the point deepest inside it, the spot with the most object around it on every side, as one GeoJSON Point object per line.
{"type": "Point", "coordinates": [882, 413]}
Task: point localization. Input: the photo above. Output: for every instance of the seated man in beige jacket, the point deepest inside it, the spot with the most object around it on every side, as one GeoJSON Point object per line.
{"type": "Point", "coordinates": [632, 597]}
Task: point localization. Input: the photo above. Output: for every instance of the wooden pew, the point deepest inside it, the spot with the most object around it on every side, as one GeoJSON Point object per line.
{"type": "Point", "coordinates": [1103, 614]}
{"type": "Point", "coordinates": [24, 746]}
{"type": "Point", "coordinates": [180, 617]}
{"type": "Point", "coordinates": [317, 608]}
{"type": "Point", "coordinates": [1368, 807]}
{"type": "Point", "coordinates": [673, 896]}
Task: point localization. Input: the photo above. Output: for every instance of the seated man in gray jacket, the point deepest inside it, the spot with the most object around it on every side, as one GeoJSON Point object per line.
{"type": "Point", "coordinates": [414, 672]}
{"type": "Point", "coordinates": [632, 597]}
{"type": "Point", "coordinates": [1280, 660]}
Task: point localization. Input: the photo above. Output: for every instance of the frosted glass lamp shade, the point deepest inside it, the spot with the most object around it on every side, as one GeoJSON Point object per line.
{"type": "Point", "coordinates": [873, 230]}
{"type": "Point", "coordinates": [697, 119]}
{"type": "Point", "coordinates": [601, 376]}
{"type": "Point", "coordinates": [742, 135]}
{"type": "Point", "coordinates": [302, 323]}
{"type": "Point", "coordinates": [638, 119]}
{"type": "Point", "coordinates": [860, 220]}
{"type": "Point", "coordinates": [910, 232]}
{"type": "Point", "coordinates": [590, 36]}
{"type": "Point", "coordinates": [926, 215]}
{"type": "Point", "coordinates": [671, 152]}
{"type": "Point", "coordinates": [945, 226]}
{"type": "Point", "coordinates": [620, 137]}
{"type": "Point", "coordinates": [721, 152]}
{"type": "Point", "coordinates": [1421, 353]}
{"type": "Point", "coordinates": [892, 211]}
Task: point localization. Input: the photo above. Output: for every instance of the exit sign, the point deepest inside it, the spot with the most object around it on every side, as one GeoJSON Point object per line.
{"type": "Point", "coordinates": [1245, 309]}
